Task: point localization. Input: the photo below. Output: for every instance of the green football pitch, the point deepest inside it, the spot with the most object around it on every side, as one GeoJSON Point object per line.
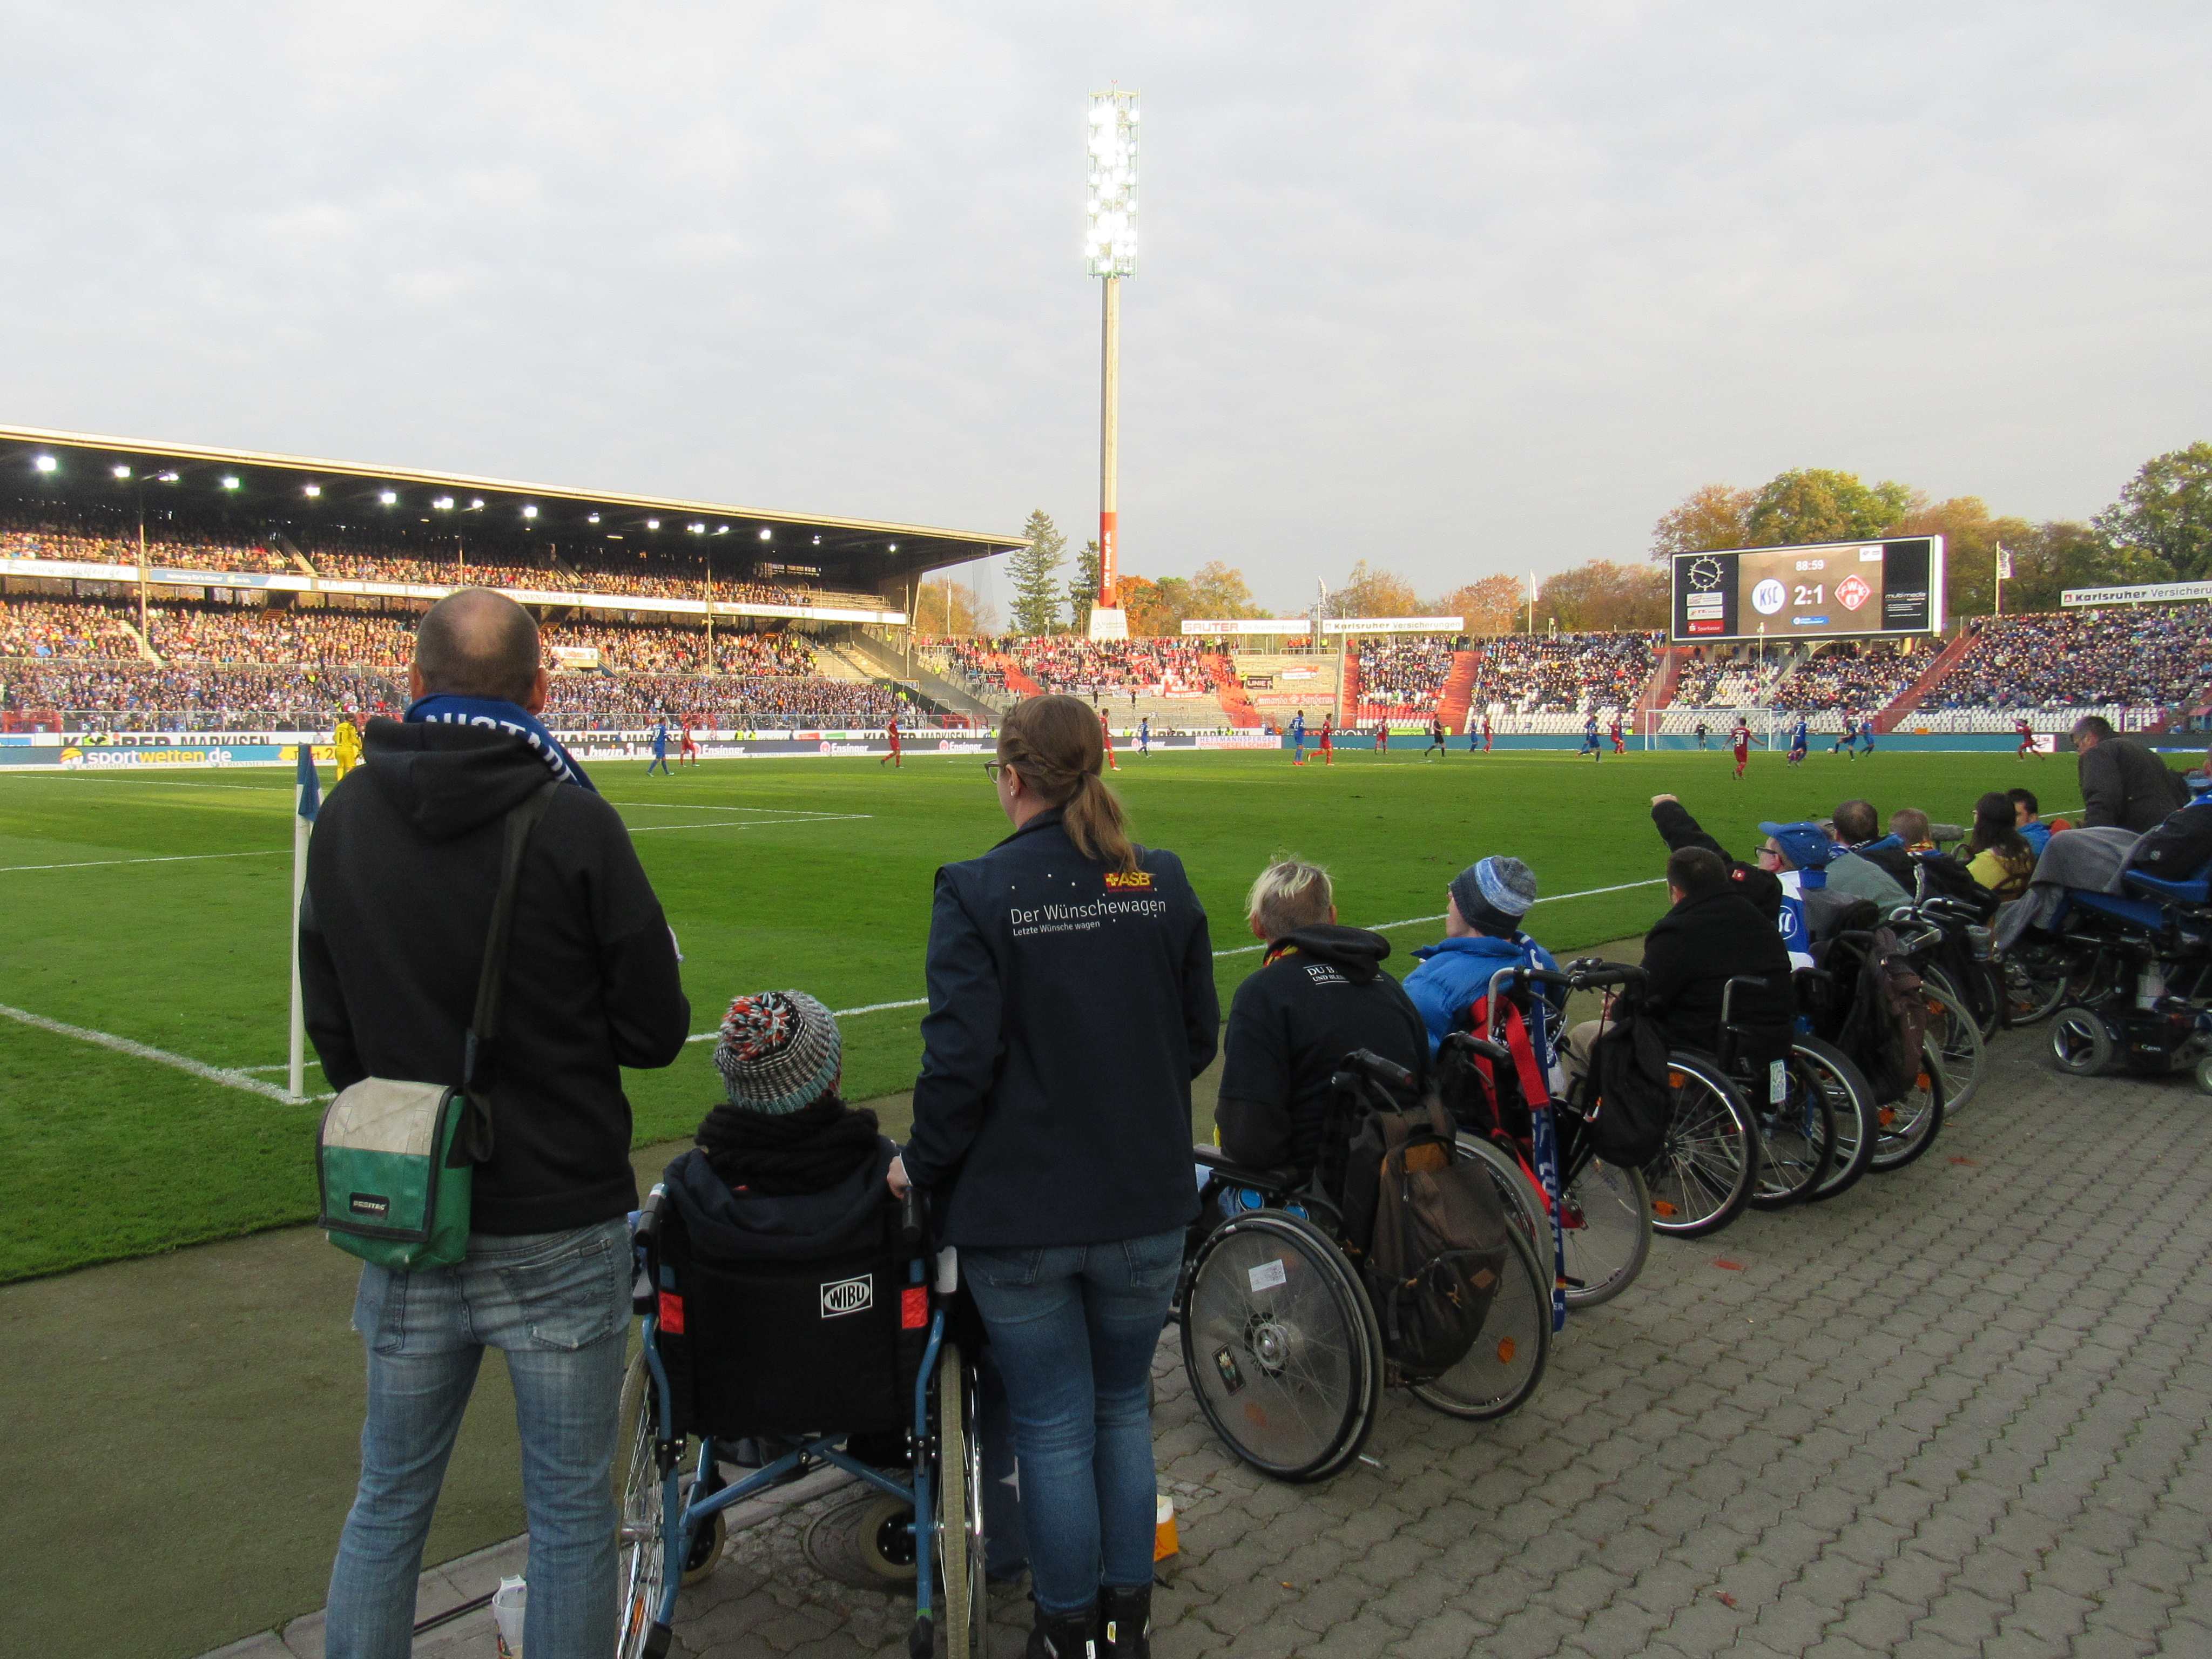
{"type": "Point", "coordinates": [144, 979]}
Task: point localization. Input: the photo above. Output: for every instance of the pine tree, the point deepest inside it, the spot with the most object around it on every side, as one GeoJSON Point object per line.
{"type": "Point", "coordinates": [1082, 592]}
{"type": "Point", "coordinates": [1035, 573]}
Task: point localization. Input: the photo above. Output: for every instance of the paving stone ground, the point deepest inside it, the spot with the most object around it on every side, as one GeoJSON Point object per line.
{"type": "Point", "coordinates": [1961, 1410]}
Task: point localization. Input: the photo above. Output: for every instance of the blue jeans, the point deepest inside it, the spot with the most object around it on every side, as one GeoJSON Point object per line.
{"type": "Point", "coordinates": [1073, 1328]}
{"type": "Point", "coordinates": [557, 1304]}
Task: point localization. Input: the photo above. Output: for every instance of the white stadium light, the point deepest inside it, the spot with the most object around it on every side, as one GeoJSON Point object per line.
{"type": "Point", "coordinates": [46, 463]}
{"type": "Point", "coordinates": [767, 535]}
{"type": "Point", "coordinates": [894, 547]}
{"type": "Point", "coordinates": [653, 524]}
{"type": "Point", "coordinates": [389, 497]}
{"type": "Point", "coordinates": [591, 519]}
{"type": "Point", "coordinates": [1110, 247]}
{"type": "Point", "coordinates": [229, 483]}
{"type": "Point", "coordinates": [311, 490]}
{"type": "Point", "coordinates": [443, 504]}
{"type": "Point", "coordinates": [476, 504]}
{"type": "Point", "coordinates": [696, 529]}
{"type": "Point", "coordinates": [168, 477]}
{"type": "Point", "coordinates": [120, 471]}
{"type": "Point", "coordinates": [529, 512]}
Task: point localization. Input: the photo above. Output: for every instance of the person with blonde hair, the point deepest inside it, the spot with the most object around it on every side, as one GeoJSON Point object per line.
{"type": "Point", "coordinates": [1319, 992]}
{"type": "Point", "coordinates": [1070, 1002]}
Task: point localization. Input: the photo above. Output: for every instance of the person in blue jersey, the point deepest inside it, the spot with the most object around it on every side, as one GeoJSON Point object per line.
{"type": "Point", "coordinates": [1866, 735]}
{"type": "Point", "coordinates": [1591, 745]}
{"type": "Point", "coordinates": [659, 751]}
{"type": "Point", "coordinates": [1800, 739]}
{"type": "Point", "coordinates": [1847, 738]}
{"type": "Point", "coordinates": [1299, 738]}
{"type": "Point", "coordinates": [1483, 909]}
{"type": "Point", "coordinates": [1145, 735]}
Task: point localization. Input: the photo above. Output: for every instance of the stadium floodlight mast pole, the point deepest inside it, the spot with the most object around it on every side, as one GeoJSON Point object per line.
{"type": "Point", "coordinates": [1110, 252]}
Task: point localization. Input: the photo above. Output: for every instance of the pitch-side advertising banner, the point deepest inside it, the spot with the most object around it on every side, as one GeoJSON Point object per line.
{"type": "Point", "coordinates": [1259, 627]}
{"type": "Point", "coordinates": [1394, 625]}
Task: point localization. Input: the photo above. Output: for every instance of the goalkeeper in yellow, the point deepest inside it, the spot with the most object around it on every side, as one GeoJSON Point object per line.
{"type": "Point", "coordinates": [348, 744]}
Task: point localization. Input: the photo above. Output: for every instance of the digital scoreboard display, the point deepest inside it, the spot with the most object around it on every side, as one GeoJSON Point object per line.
{"type": "Point", "coordinates": [1833, 590]}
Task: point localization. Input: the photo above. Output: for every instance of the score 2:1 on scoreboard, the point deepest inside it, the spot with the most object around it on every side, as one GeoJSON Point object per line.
{"type": "Point", "coordinates": [1831, 590]}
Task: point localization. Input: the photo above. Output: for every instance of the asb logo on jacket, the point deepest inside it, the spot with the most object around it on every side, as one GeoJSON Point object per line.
{"type": "Point", "coordinates": [1135, 881]}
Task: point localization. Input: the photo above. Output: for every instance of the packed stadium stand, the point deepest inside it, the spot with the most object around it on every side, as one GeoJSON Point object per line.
{"type": "Point", "coordinates": [1863, 679]}
{"type": "Point", "coordinates": [2135, 657]}
{"type": "Point", "coordinates": [1403, 676]}
{"type": "Point", "coordinates": [1563, 673]}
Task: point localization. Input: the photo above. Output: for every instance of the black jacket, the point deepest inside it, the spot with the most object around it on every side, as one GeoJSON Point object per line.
{"type": "Point", "coordinates": [795, 1227]}
{"type": "Point", "coordinates": [1069, 1008]}
{"type": "Point", "coordinates": [1321, 994]}
{"type": "Point", "coordinates": [1679, 829]}
{"type": "Point", "coordinates": [2125, 786]}
{"type": "Point", "coordinates": [401, 874]}
{"type": "Point", "coordinates": [1690, 954]}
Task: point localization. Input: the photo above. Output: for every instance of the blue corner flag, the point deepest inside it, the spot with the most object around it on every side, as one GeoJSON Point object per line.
{"type": "Point", "coordinates": [311, 787]}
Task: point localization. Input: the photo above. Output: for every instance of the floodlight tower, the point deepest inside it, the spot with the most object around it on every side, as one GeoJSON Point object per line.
{"type": "Point", "coordinates": [1110, 253]}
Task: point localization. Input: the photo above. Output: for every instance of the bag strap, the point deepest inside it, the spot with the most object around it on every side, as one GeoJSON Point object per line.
{"type": "Point", "coordinates": [473, 1144]}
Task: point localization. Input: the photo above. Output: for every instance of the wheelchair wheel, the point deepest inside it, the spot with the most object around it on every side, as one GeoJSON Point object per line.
{"type": "Point", "coordinates": [1704, 1175]}
{"type": "Point", "coordinates": [2034, 979]}
{"type": "Point", "coordinates": [641, 1540]}
{"type": "Point", "coordinates": [1851, 1107]}
{"type": "Point", "coordinates": [1281, 1346]}
{"type": "Point", "coordinates": [2081, 1042]}
{"type": "Point", "coordinates": [1523, 1203]}
{"type": "Point", "coordinates": [1608, 1227]}
{"type": "Point", "coordinates": [1907, 1127]}
{"type": "Point", "coordinates": [964, 1615]}
{"type": "Point", "coordinates": [1501, 1371]}
{"type": "Point", "coordinates": [1796, 1137]}
{"type": "Point", "coordinates": [1960, 1049]}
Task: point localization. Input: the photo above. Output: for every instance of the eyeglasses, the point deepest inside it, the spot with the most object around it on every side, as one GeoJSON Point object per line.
{"type": "Point", "coordinates": [1770, 851]}
{"type": "Point", "coordinates": [993, 768]}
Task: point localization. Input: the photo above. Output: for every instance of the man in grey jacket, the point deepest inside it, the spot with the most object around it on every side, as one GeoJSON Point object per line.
{"type": "Point", "coordinates": [2124, 785]}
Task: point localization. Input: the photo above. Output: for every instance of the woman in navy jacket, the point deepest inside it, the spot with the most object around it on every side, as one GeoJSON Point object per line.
{"type": "Point", "coordinates": [1070, 1002]}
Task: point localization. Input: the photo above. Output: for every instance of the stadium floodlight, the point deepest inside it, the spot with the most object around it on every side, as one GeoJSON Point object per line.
{"type": "Point", "coordinates": [721, 530]}
{"type": "Point", "coordinates": [120, 470]}
{"type": "Point", "coordinates": [591, 518]}
{"type": "Point", "coordinates": [45, 463]}
{"type": "Point", "coordinates": [311, 490]}
{"type": "Point", "coordinates": [696, 529]}
{"type": "Point", "coordinates": [817, 541]}
{"type": "Point", "coordinates": [476, 504]}
{"type": "Point", "coordinates": [1109, 248]}
{"type": "Point", "coordinates": [389, 497]}
{"type": "Point", "coordinates": [229, 481]}
{"type": "Point", "coordinates": [529, 512]}
{"type": "Point", "coordinates": [1109, 251]}
{"type": "Point", "coordinates": [767, 535]}
{"type": "Point", "coordinates": [653, 524]}
{"type": "Point", "coordinates": [894, 547]}
{"type": "Point", "coordinates": [167, 477]}
{"type": "Point", "coordinates": [443, 504]}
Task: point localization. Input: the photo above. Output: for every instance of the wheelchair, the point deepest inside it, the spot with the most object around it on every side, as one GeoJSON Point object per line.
{"type": "Point", "coordinates": [1279, 1337]}
{"type": "Point", "coordinates": [847, 1359]}
{"type": "Point", "coordinates": [2134, 979]}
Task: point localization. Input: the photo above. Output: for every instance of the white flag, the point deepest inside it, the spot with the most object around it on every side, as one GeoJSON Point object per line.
{"type": "Point", "coordinates": [2004, 563]}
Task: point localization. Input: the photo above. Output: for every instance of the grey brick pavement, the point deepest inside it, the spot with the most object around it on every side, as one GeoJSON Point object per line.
{"type": "Point", "coordinates": [1962, 1410]}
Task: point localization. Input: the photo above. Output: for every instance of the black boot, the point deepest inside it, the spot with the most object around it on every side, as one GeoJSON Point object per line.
{"type": "Point", "coordinates": [1125, 1622]}
{"type": "Point", "coordinates": [1064, 1636]}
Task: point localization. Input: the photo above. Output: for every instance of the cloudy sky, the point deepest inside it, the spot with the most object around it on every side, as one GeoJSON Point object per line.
{"type": "Point", "coordinates": [1452, 288]}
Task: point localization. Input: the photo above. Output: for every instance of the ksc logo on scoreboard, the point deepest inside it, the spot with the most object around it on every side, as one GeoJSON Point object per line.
{"type": "Point", "coordinates": [1139, 881]}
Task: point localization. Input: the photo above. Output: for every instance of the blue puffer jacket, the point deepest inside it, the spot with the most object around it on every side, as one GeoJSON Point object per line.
{"type": "Point", "coordinates": [1454, 972]}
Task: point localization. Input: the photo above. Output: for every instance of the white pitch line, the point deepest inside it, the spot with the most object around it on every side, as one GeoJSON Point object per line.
{"type": "Point", "coordinates": [173, 858]}
{"type": "Point", "coordinates": [792, 811]}
{"type": "Point", "coordinates": [228, 1078]}
{"type": "Point", "coordinates": [744, 823]}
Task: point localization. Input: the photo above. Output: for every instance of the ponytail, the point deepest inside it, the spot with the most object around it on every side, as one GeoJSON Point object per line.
{"type": "Point", "coordinates": [1055, 744]}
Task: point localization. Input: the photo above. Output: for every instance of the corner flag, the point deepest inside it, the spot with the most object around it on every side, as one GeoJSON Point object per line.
{"type": "Point", "coordinates": [310, 801]}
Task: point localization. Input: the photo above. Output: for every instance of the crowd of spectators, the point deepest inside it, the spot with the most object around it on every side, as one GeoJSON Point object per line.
{"type": "Point", "coordinates": [1564, 672]}
{"type": "Point", "coordinates": [976, 664]}
{"type": "Point", "coordinates": [1404, 673]}
{"type": "Point", "coordinates": [164, 550]}
{"type": "Point", "coordinates": [776, 702]}
{"type": "Point", "coordinates": [119, 696]}
{"type": "Point", "coordinates": [1070, 663]}
{"type": "Point", "coordinates": [1863, 679]}
{"type": "Point", "coordinates": [2134, 656]}
{"type": "Point", "coordinates": [1717, 682]}
{"type": "Point", "coordinates": [66, 627]}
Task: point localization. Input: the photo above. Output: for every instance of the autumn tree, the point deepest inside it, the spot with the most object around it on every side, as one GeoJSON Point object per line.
{"type": "Point", "coordinates": [967, 617]}
{"type": "Point", "coordinates": [2053, 557]}
{"type": "Point", "coordinates": [1220, 590]}
{"type": "Point", "coordinates": [1370, 593]}
{"type": "Point", "coordinates": [1156, 608]}
{"type": "Point", "coordinates": [2164, 516]}
{"type": "Point", "coordinates": [1035, 571]}
{"type": "Point", "coordinates": [1491, 605]}
{"type": "Point", "coordinates": [1604, 595]}
{"type": "Point", "coordinates": [1971, 536]}
{"type": "Point", "coordinates": [1816, 504]}
{"type": "Point", "coordinates": [1709, 518]}
{"type": "Point", "coordinates": [1083, 589]}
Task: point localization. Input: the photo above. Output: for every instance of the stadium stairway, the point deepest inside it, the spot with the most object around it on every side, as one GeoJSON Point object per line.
{"type": "Point", "coordinates": [1348, 679]}
{"type": "Point", "coordinates": [145, 646]}
{"type": "Point", "coordinates": [1458, 693]}
{"type": "Point", "coordinates": [866, 648]}
{"type": "Point", "coordinates": [1236, 707]}
{"type": "Point", "coordinates": [1906, 701]}
{"type": "Point", "coordinates": [1017, 682]}
{"type": "Point", "coordinates": [1666, 675]}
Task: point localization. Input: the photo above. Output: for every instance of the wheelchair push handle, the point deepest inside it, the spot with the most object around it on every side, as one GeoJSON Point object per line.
{"type": "Point", "coordinates": [1376, 1069]}
{"type": "Point", "coordinates": [910, 1219]}
{"type": "Point", "coordinates": [1586, 974]}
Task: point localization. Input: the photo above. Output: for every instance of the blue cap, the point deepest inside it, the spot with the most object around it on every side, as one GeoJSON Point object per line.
{"type": "Point", "coordinates": [1804, 843]}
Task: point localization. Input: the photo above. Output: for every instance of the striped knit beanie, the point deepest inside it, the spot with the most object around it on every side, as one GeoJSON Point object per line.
{"type": "Point", "coordinates": [779, 1052]}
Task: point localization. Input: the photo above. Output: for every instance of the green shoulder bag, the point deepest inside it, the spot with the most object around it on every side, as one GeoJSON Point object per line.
{"type": "Point", "coordinates": [395, 1160]}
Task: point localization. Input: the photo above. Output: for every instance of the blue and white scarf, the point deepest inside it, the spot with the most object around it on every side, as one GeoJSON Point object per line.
{"type": "Point", "coordinates": [502, 716]}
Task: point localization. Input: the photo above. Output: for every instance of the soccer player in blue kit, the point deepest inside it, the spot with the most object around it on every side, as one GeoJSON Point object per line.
{"type": "Point", "coordinates": [1799, 738]}
{"type": "Point", "coordinates": [1299, 738]}
{"type": "Point", "coordinates": [659, 751]}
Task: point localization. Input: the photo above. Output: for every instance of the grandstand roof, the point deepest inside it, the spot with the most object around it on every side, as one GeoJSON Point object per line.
{"type": "Point", "coordinates": [254, 487]}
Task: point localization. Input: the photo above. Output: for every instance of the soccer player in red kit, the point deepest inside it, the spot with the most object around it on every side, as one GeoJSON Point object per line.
{"type": "Point", "coordinates": [689, 750]}
{"type": "Point", "coordinates": [1328, 739]}
{"type": "Point", "coordinates": [1614, 732]}
{"type": "Point", "coordinates": [897, 761]}
{"type": "Point", "coordinates": [1486, 732]}
{"type": "Point", "coordinates": [1740, 740]}
{"type": "Point", "coordinates": [2026, 733]}
{"type": "Point", "coordinates": [1382, 737]}
{"type": "Point", "coordinates": [1106, 731]}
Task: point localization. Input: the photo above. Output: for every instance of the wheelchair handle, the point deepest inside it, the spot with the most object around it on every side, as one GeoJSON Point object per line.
{"type": "Point", "coordinates": [648, 1215]}
{"type": "Point", "coordinates": [1496, 1053]}
{"type": "Point", "coordinates": [1727, 998]}
{"type": "Point", "coordinates": [910, 1227]}
{"type": "Point", "coordinates": [1378, 1069]}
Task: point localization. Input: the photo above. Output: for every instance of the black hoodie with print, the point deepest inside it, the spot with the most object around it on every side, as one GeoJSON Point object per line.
{"type": "Point", "coordinates": [1321, 994]}
{"type": "Point", "coordinates": [402, 872]}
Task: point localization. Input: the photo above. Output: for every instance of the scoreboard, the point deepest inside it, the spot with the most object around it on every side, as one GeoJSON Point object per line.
{"type": "Point", "coordinates": [1832, 590]}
